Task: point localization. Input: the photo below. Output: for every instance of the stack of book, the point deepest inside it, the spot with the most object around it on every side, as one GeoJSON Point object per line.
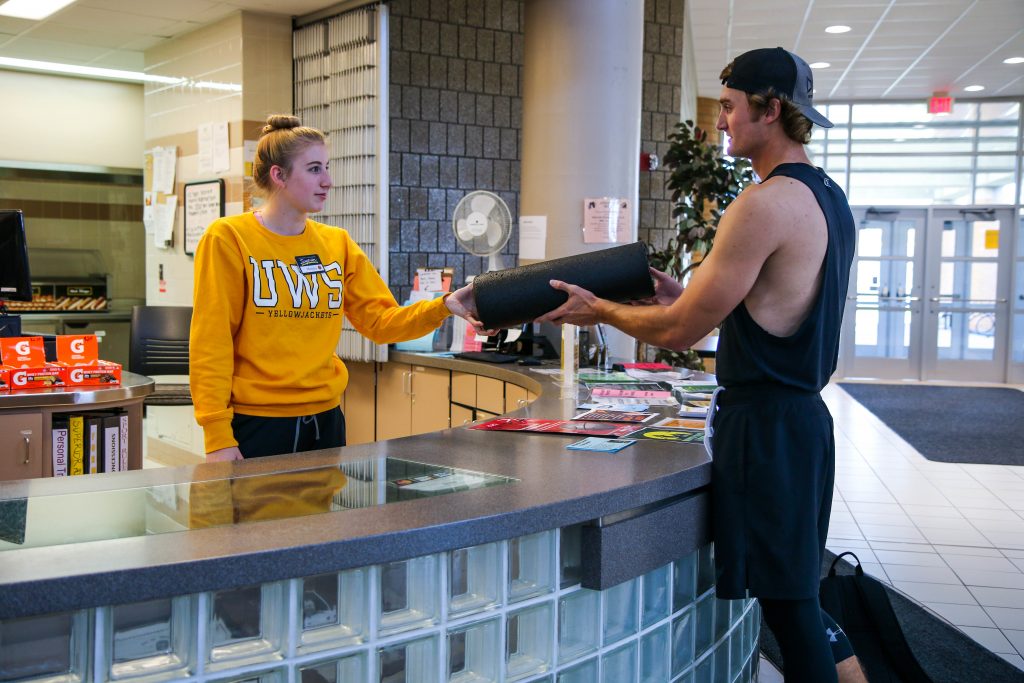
{"type": "Point", "coordinates": [86, 443]}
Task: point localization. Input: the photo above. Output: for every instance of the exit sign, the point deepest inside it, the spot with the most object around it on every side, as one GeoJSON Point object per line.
{"type": "Point", "coordinates": [940, 105]}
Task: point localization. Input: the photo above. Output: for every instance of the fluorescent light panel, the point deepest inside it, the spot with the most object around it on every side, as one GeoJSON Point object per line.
{"type": "Point", "coordinates": [819, 65]}
{"type": "Point", "coordinates": [974, 88]}
{"type": "Point", "coordinates": [32, 9]}
{"type": "Point", "coordinates": [1014, 60]}
{"type": "Point", "coordinates": [838, 28]}
{"type": "Point", "coordinates": [94, 71]}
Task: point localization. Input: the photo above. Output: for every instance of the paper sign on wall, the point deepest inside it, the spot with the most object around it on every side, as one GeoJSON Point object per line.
{"type": "Point", "coordinates": [204, 203]}
{"type": "Point", "coordinates": [607, 220]}
{"type": "Point", "coordinates": [533, 233]}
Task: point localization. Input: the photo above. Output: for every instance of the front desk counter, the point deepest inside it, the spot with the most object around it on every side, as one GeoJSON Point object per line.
{"type": "Point", "coordinates": [459, 555]}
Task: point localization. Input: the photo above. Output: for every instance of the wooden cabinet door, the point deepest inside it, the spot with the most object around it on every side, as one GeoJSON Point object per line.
{"type": "Point", "coordinates": [21, 446]}
{"type": "Point", "coordinates": [461, 416]}
{"type": "Point", "coordinates": [516, 397]}
{"type": "Point", "coordinates": [394, 400]}
{"type": "Point", "coordinates": [430, 388]}
{"type": "Point", "coordinates": [490, 395]}
{"type": "Point", "coordinates": [464, 388]}
{"type": "Point", "coordinates": [360, 403]}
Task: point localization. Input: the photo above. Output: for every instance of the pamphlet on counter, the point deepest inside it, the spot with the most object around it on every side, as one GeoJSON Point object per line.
{"type": "Point", "coordinates": [600, 445]}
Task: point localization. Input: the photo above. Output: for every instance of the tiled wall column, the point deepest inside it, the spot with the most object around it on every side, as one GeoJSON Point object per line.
{"type": "Point", "coordinates": [455, 124]}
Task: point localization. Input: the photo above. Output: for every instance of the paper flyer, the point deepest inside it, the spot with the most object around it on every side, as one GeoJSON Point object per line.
{"type": "Point", "coordinates": [526, 424]}
{"type": "Point", "coordinates": [615, 416]}
{"type": "Point", "coordinates": [679, 423]}
{"type": "Point", "coordinates": [671, 435]}
{"type": "Point", "coordinates": [600, 445]}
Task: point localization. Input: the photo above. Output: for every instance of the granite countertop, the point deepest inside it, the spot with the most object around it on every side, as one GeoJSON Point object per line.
{"type": "Point", "coordinates": [555, 488]}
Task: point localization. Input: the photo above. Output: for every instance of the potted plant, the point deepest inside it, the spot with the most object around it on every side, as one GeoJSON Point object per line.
{"type": "Point", "coordinates": [703, 184]}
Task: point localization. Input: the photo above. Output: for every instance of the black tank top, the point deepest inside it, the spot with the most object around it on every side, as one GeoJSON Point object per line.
{"type": "Point", "coordinates": [805, 360]}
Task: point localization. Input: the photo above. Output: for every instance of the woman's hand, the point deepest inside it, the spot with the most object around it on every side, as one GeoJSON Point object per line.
{"type": "Point", "coordinates": [461, 303]}
{"type": "Point", "coordinates": [230, 453]}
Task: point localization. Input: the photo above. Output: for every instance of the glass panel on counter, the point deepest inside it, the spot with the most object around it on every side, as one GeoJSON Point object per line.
{"type": "Point", "coordinates": [152, 638]}
{"type": "Point", "coordinates": [75, 517]}
{"type": "Point", "coordinates": [335, 610]}
{"type": "Point", "coordinates": [40, 648]}
{"type": "Point", "coordinates": [246, 625]}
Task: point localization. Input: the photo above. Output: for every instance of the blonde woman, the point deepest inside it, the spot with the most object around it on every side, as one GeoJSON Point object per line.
{"type": "Point", "coordinates": [271, 288]}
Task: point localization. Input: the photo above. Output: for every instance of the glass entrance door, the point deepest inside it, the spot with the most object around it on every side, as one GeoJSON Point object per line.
{"type": "Point", "coordinates": [968, 276]}
{"type": "Point", "coordinates": [883, 320]}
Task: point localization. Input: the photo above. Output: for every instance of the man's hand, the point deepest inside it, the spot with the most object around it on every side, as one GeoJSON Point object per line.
{"type": "Point", "coordinates": [230, 453]}
{"type": "Point", "coordinates": [666, 288]}
{"type": "Point", "coordinates": [462, 304]}
{"type": "Point", "coordinates": [581, 308]}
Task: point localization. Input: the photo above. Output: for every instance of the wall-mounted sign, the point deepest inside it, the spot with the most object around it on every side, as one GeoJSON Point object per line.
{"type": "Point", "coordinates": [204, 203]}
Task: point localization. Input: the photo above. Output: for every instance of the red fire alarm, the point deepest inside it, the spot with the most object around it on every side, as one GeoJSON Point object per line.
{"type": "Point", "coordinates": [940, 103]}
{"type": "Point", "coordinates": [649, 161]}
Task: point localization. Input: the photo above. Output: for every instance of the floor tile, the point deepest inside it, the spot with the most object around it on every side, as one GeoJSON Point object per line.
{"type": "Point", "coordinates": [945, 550]}
{"type": "Point", "coordinates": [1007, 617]}
{"type": "Point", "coordinates": [922, 559]}
{"type": "Point", "coordinates": [857, 507]}
{"type": "Point", "coordinates": [991, 638]}
{"type": "Point", "coordinates": [998, 597]}
{"type": "Point", "coordinates": [1016, 660]}
{"type": "Point", "coordinates": [956, 536]}
{"type": "Point", "coordinates": [909, 572]}
{"type": "Point", "coordinates": [933, 511]}
{"type": "Point", "coordinates": [1006, 539]}
{"type": "Point", "coordinates": [1019, 564]}
{"type": "Point", "coordinates": [885, 532]}
{"type": "Point", "coordinates": [962, 615]}
{"type": "Point", "coordinates": [938, 592]}
{"type": "Point", "coordinates": [990, 564]}
{"type": "Point", "coordinates": [978, 577]}
{"type": "Point", "coordinates": [1016, 639]}
{"type": "Point", "coordinates": [905, 547]}
{"type": "Point", "coordinates": [959, 523]}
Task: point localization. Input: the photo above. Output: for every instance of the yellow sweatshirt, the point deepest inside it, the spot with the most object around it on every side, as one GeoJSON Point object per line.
{"type": "Point", "coordinates": [266, 318]}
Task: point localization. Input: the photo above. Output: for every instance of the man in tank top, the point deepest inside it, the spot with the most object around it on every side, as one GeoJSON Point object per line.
{"type": "Point", "coordinates": [776, 284]}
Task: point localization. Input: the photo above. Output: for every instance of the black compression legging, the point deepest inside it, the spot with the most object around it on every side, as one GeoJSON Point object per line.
{"type": "Point", "coordinates": [807, 656]}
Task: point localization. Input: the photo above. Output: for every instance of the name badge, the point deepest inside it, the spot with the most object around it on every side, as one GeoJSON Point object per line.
{"type": "Point", "coordinates": [309, 264]}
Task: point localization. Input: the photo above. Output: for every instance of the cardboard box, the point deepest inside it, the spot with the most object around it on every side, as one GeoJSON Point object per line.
{"type": "Point", "coordinates": [98, 373]}
{"type": "Point", "coordinates": [46, 376]}
{"type": "Point", "coordinates": [22, 352]}
{"type": "Point", "coordinates": [79, 355]}
{"type": "Point", "coordinates": [5, 378]}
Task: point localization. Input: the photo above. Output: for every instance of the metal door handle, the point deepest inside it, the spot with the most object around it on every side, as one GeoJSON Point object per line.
{"type": "Point", "coordinates": [25, 434]}
{"type": "Point", "coordinates": [407, 383]}
{"type": "Point", "coordinates": [948, 299]}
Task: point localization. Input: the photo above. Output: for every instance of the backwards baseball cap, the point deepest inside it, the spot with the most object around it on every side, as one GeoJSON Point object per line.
{"type": "Point", "coordinates": [774, 67]}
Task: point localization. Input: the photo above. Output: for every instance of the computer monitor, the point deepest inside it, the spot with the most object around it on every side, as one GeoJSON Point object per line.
{"type": "Point", "coordinates": [15, 279]}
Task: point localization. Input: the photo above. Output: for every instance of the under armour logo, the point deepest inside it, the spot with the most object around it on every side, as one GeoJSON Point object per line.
{"type": "Point", "coordinates": [833, 636]}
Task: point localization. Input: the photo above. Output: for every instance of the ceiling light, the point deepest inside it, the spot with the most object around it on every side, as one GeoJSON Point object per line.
{"type": "Point", "coordinates": [32, 9]}
{"type": "Point", "coordinates": [838, 28]}
{"type": "Point", "coordinates": [1013, 60]}
{"type": "Point", "coordinates": [974, 88]}
{"type": "Point", "coordinates": [94, 71]}
{"type": "Point", "coordinates": [819, 65]}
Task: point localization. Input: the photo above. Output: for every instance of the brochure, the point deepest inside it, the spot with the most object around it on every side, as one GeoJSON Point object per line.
{"type": "Point", "coordinates": [531, 424]}
{"type": "Point", "coordinates": [602, 445]}
{"type": "Point", "coordinates": [672, 435]}
{"type": "Point", "coordinates": [615, 416]}
{"type": "Point", "coordinates": [679, 423]}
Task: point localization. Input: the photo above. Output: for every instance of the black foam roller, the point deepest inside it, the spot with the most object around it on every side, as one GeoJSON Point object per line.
{"type": "Point", "coordinates": [506, 298]}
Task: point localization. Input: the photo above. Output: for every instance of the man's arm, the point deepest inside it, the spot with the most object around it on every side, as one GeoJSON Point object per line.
{"type": "Point", "coordinates": [747, 235]}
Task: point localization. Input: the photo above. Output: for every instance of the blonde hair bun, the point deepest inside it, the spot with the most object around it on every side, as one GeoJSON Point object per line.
{"type": "Point", "coordinates": [281, 122]}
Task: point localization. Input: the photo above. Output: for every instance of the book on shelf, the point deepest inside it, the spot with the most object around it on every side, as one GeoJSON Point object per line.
{"type": "Point", "coordinates": [93, 435]}
{"type": "Point", "coordinates": [111, 443]}
{"type": "Point", "coordinates": [87, 443]}
{"type": "Point", "coordinates": [59, 450]}
{"type": "Point", "coordinates": [76, 445]}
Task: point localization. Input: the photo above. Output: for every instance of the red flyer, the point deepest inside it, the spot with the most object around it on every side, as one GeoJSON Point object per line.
{"type": "Point", "coordinates": [531, 424]}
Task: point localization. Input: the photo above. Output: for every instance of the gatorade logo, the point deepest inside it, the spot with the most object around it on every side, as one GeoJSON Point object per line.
{"type": "Point", "coordinates": [19, 379]}
{"type": "Point", "coordinates": [77, 375]}
{"type": "Point", "coordinates": [22, 348]}
{"type": "Point", "coordinates": [77, 345]}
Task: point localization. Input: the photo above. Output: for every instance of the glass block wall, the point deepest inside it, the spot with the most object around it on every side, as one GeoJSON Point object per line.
{"type": "Point", "coordinates": [506, 611]}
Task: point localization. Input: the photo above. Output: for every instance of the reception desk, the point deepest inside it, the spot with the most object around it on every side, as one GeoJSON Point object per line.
{"type": "Point", "coordinates": [26, 421]}
{"type": "Point", "coordinates": [457, 555]}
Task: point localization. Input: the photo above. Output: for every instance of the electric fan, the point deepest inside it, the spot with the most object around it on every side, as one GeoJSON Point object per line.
{"type": "Point", "coordinates": [482, 224]}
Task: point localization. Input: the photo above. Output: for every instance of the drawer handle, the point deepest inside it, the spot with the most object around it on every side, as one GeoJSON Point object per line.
{"type": "Point", "coordinates": [25, 434]}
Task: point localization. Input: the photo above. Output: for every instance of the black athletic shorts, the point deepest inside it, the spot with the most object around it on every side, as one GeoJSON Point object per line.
{"type": "Point", "coordinates": [259, 436]}
{"type": "Point", "coordinates": [772, 474]}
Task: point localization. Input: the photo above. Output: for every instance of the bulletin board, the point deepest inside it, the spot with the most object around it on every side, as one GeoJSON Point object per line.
{"type": "Point", "coordinates": [204, 203]}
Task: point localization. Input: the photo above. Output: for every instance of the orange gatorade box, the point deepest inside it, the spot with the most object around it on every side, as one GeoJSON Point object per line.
{"type": "Point", "coordinates": [27, 362]}
{"type": "Point", "coordinates": [79, 355]}
{"type": "Point", "coordinates": [5, 378]}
